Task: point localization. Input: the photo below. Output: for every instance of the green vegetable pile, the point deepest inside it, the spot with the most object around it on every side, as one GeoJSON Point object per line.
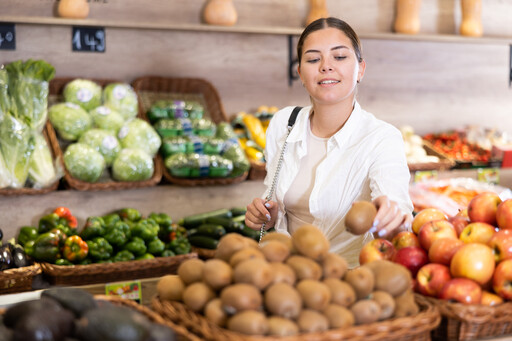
{"type": "Point", "coordinates": [24, 153]}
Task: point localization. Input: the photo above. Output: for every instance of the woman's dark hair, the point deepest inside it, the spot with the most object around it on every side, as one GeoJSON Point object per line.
{"type": "Point", "coordinates": [322, 23]}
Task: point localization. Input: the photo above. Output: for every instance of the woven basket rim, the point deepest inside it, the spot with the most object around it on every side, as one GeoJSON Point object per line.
{"type": "Point", "coordinates": [30, 270]}
{"type": "Point", "coordinates": [18, 279]}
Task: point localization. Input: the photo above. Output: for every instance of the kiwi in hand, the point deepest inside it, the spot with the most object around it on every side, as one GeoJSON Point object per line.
{"type": "Point", "coordinates": [359, 218]}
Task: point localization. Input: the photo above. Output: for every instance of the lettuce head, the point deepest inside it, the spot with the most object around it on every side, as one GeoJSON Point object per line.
{"type": "Point", "coordinates": [107, 119]}
{"type": "Point", "coordinates": [132, 164]}
{"type": "Point", "coordinates": [138, 133]}
{"type": "Point", "coordinates": [84, 162]}
{"type": "Point", "coordinates": [104, 142]}
{"type": "Point", "coordinates": [122, 98]}
{"type": "Point", "coordinates": [83, 92]}
{"type": "Point", "coordinates": [70, 120]}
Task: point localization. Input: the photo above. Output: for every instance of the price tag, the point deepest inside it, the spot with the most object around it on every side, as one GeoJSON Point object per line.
{"type": "Point", "coordinates": [420, 176]}
{"type": "Point", "coordinates": [489, 175]}
{"type": "Point", "coordinates": [130, 290]}
{"type": "Point", "coordinates": [7, 36]}
{"type": "Point", "coordinates": [88, 39]}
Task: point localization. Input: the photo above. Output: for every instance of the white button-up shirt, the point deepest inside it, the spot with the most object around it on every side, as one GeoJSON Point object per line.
{"type": "Point", "coordinates": [365, 159]}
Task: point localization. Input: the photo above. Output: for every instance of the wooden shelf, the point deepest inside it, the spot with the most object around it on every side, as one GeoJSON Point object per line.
{"type": "Point", "coordinates": [274, 30]}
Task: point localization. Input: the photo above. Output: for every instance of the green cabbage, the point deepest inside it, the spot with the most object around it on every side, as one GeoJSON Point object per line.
{"type": "Point", "coordinates": [70, 120]}
{"type": "Point", "coordinates": [104, 142]}
{"type": "Point", "coordinates": [107, 119]}
{"type": "Point", "coordinates": [83, 162]}
{"type": "Point", "coordinates": [137, 133]}
{"type": "Point", "coordinates": [132, 164]}
{"type": "Point", "coordinates": [41, 170]}
{"type": "Point", "coordinates": [122, 98]}
{"type": "Point", "coordinates": [83, 92]}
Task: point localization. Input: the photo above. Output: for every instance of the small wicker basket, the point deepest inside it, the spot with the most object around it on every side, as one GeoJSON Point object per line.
{"type": "Point", "coordinates": [444, 162]}
{"type": "Point", "coordinates": [469, 322]}
{"type": "Point", "coordinates": [112, 272]}
{"type": "Point", "coordinates": [18, 279]}
{"type": "Point", "coordinates": [416, 327]}
{"type": "Point", "coordinates": [258, 171]}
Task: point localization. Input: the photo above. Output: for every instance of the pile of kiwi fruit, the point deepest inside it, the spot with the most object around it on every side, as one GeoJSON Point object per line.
{"type": "Point", "coordinates": [287, 286]}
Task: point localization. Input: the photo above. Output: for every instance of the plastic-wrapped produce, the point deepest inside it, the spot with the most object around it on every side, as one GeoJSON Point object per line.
{"type": "Point", "coordinates": [84, 162]}
{"type": "Point", "coordinates": [104, 142]}
{"type": "Point", "coordinates": [185, 127]}
{"type": "Point", "coordinates": [174, 109]}
{"type": "Point", "coordinates": [132, 164]}
{"type": "Point", "coordinates": [198, 165]}
{"type": "Point", "coordinates": [83, 92]}
{"type": "Point", "coordinates": [122, 98]}
{"type": "Point", "coordinates": [106, 119]}
{"type": "Point", "coordinates": [70, 120]}
{"type": "Point", "coordinates": [42, 171]}
{"type": "Point", "coordinates": [137, 133]}
{"type": "Point", "coordinates": [232, 151]}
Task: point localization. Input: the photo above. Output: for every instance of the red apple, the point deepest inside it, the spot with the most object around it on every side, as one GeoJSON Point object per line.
{"type": "Point", "coordinates": [459, 223]}
{"type": "Point", "coordinates": [483, 207]}
{"type": "Point", "coordinates": [412, 257]}
{"type": "Point", "coordinates": [474, 261]}
{"type": "Point", "coordinates": [405, 239]}
{"type": "Point", "coordinates": [502, 279]}
{"type": "Point", "coordinates": [504, 214]}
{"type": "Point", "coordinates": [462, 290]}
{"type": "Point", "coordinates": [426, 215]}
{"type": "Point", "coordinates": [442, 250]}
{"type": "Point", "coordinates": [376, 249]}
{"type": "Point", "coordinates": [431, 278]}
{"type": "Point", "coordinates": [433, 230]}
{"type": "Point", "coordinates": [501, 245]}
{"type": "Point", "coordinates": [477, 233]}
{"type": "Point", "coordinates": [488, 298]}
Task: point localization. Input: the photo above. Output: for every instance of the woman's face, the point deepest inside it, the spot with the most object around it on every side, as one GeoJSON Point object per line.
{"type": "Point", "coordinates": [329, 68]}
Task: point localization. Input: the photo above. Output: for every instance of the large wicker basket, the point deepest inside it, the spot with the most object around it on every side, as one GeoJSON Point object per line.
{"type": "Point", "coordinates": [112, 272]}
{"type": "Point", "coordinates": [416, 327]}
{"type": "Point", "coordinates": [105, 183]}
{"type": "Point", "coordinates": [444, 162]}
{"type": "Point", "coordinates": [469, 322]}
{"type": "Point", "coordinates": [18, 279]}
{"type": "Point", "coordinates": [182, 333]}
{"type": "Point", "coordinates": [152, 88]}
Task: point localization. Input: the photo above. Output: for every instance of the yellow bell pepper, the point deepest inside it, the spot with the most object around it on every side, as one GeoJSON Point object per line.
{"type": "Point", "coordinates": [254, 154]}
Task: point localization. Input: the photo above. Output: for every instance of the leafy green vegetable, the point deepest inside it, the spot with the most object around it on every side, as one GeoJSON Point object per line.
{"type": "Point", "coordinates": [84, 93]}
{"type": "Point", "coordinates": [103, 142]}
{"type": "Point", "coordinates": [122, 98]}
{"type": "Point", "coordinates": [138, 133]}
{"type": "Point", "coordinates": [132, 165]}
{"type": "Point", "coordinates": [41, 170]}
{"type": "Point", "coordinates": [70, 120]}
{"type": "Point", "coordinates": [107, 119]}
{"type": "Point", "coordinates": [83, 162]}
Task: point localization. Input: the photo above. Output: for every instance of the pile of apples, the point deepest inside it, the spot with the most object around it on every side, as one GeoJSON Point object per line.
{"type": "Point", "coordinates": [465, 258]}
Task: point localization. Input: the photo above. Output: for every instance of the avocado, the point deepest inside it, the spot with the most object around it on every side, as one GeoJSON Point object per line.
{"type": "Point", "coordinates": [44, 325]}
{"type": "Point", "coordinates": [5, 333]}
{"type": "Point", "coordinates": [159, 332]}
{"type": "Point", "coordinates": [17, 311]}
{"type": "Point", "coordinates": [74, 299]}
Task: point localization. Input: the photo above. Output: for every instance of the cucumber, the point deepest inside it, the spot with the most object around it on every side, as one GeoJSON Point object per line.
{"type": "Point", "coordinates": [211, 230]}
{"type": "Point", "coordinates": [203, 242]}
{"type": "Point", "coordinates": [239, 219]}
{"type": "Point", "coordinates": [229, 224]}
{"type": "Point", "coordinates": [236, 211]}
{"type": "Point", "coordinates": [198, 219]}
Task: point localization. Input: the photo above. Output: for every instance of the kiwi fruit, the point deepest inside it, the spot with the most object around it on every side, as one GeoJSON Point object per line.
{"type": "Point", "coordinates": [239, 297]}
{"type": "Point", "coordinates": [315, 295]}
{"type": "Point", "coordinates": [333, 265]}
{"type": "Point", "coordinates": [231, 243]}
{"type": "Point", "coordinates": [342, 293]}
{"type": "Point", "coordinates": [386, 302]}
{"type": "Point", "coordinates": [365, 311]}
{"type": "Point", "coordinates": [191, 270]}
{"type": "Point", "coordinates": [170, 287]}
{"type": "Point", "coordinates": [275, 251]}
{"type": "Point", "coordinates": [280, 326]}
{"type": "Point", "coordinates": [360, 216]}
{"type": "Point", "coordinates": [283, 300]}
{"type": "Point", "coordinates": [309, 241]}
{"type": "Point", "coordinates": [304, 268]}
{"type": "Point", "coordinates": [244, 254]}
{"type": "Point", "coordinates": [249, 322]}
{"type": "Point", "coordinates": [196, 295]}
{"type": "Point", "coordinates": [217, 273]}
{"type": "Point", "coordinates": [213, 312]}
{"type": "Point", "coordinates": [390, 277]}
{"type": "Point", "coordinates": [310, 321]}
{"type": "Point", "coordinates": [406, 305]}
{"type": "Point", "coordinates": [362, 280]}
{"type": "Point", "coordinates": [282, 237]}
{"type": "Point", "coordinates": [338, 316]}
{"type": "Point", "coordinates": [282, 273]}
{"type": "Point", "coordinates": [255, 271]}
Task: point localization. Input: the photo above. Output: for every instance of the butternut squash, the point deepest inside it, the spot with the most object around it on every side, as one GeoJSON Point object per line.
{"type": "Point", "coordinates": [220, 12]}
{"type": "Point", "coordinates": [471, 24]}
{"type": "Point", "coordinates": [407, 19]}
{"type": "Point", "coordinates": [317, 10]}
{"type": "Point", "coordinates": [74, 9]}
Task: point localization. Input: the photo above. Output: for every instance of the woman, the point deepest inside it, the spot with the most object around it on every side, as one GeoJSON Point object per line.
{"type": "Point", "coordinates": [336, 153]}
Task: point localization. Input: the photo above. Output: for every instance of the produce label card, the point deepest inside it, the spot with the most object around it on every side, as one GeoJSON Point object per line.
{"type": "Point", "coordinates": [130, 290]}
{"type": "Point", "coordinates": [489, 175]}
{"type": "Point", "coordinates": [420, 176]}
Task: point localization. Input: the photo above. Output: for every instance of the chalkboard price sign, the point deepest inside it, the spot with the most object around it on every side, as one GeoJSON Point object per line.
{"type": "Point", "coordinates": [7, 36]}
{"type": "Point", "coordinates": [88, 39]}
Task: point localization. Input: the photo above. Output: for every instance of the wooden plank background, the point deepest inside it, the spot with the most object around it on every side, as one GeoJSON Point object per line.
{"type": "Point", "coordinates": [430, 85]}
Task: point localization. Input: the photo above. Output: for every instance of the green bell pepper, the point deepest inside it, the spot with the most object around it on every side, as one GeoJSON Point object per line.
{"type": "Point", "coordinates": [111, 219]}
{"type": "Point", "coordinates": [86, 261]}
{"type": "Point", "coordinates": [123, 256]}
{"type": "Point", "coordinates": [156, 247]}
{"type": "Point", "coordinates": [75, 249]}
{"type": "Point", "coordinates": [29, 248]}
{"type": "Point", "coordinates": [118, 233]}
{"type": "Point", "coordinates": [94, 227]}
{"type": "Point", "coordinates": [26, 234]}
{"type": "Point", "coordinates": [136, 246]}
{"type": "Point", "coordinates": [164, 222]}
{"type": "Point", "coordinates": [68, 231]}
{"type": "Point", "coordinates": [145, 256]}
{"type": "Point", "coordinates": [99, 249]}
{"type": "Point", "coordinates": [179, 246]}
{"type": "Point", "coordinates": [167, 253]}
{"type": "Point", "coordinates": [62, 261]}
{"type": "Point", "coordinates": [60, 234]}
{"type": "Point", "coordinates": [46, 247]}
{"type": "Point", "coordinates": [48, 222]}
{"type": "Point", "coordinates": [147, 229]}
{"type": "Point", "coordinates": [130, 214]}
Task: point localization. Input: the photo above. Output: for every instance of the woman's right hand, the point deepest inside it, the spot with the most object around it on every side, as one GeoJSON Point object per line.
{"type": "Point", "coordinates": [259, 212]}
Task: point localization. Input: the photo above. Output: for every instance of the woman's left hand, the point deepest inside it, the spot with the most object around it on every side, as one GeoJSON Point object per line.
{"type": "Point", "coordinates": [389, 219]}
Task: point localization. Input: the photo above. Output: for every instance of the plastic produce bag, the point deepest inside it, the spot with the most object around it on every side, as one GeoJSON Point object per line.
{"type": "Point", "coordinates": [132, 165]}
{"type": "Point", "coordinates": [122, 98]}
{"type": "Point", "coordinates": [104, 142]}
{"type": "Point", "coordinates": [198, 166]}
{"type": "Point", "coordinates": [69, 120]}
{"type": "Point", "coordinates": [83, 92]}
{"type": "Point", "coordinates": [138, 133]}
{"type": "Point", "coordinates": [42, 171]}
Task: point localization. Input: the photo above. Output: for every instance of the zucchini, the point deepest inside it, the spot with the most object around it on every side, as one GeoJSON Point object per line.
{"type": "Point", "coordinates": [229, 224]}
{"type": "Point", "coordinates": [198, 219]}
{"type": "Point", "coordinates": [249, 232]}
{"type": "Point", "coordinates": [239, 219]}
{"type": "Point", "coordinates": [211, 230]}
{"type": "Point", "coordinates": [203, 242]}
{"type": "Point", "coordinates": [236, 211]}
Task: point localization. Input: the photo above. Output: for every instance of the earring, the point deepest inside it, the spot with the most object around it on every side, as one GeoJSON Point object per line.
{"type": "Point", "coordinates": [358, 81]}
